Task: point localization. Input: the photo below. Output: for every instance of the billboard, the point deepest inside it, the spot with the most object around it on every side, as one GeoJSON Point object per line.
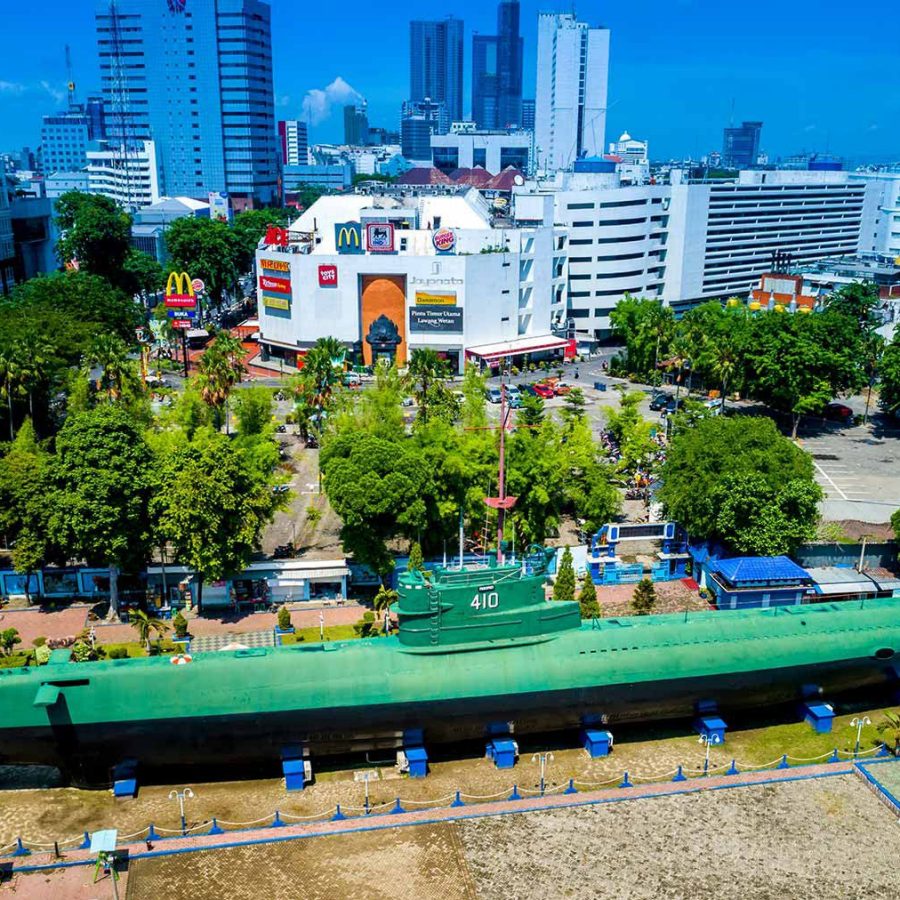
{"type": "Point", "coordinates": [380, 237]}
{"type": "Point", "coordinates": [436, 320]}
{"type": "Point", "coordinates": [278, 285]}
{"type": "Point", "coordinates": [348, 237]}
{"type": "Point", "coordinates": [328, 276]}
{"type": "Point", "coordinates": [444, 240]}
{"type": "Point", "coordinates": [276, 302]}
{"type": "Point", "coordinates": [220, 206]}
{"type": "Point", "coordinates": [435, 298]}
{"type": "Point", "coordinates": [180, 291]}
{"type": "Point", "coordinates": [275, 265]}
{"type": "Point", "coordinates": [275, 284]}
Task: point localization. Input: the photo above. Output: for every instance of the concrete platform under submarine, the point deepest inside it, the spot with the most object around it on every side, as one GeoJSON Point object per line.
{"type": "Point", "coordinates": [475, 646]}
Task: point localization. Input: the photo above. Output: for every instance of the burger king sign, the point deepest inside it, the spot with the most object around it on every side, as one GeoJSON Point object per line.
{"type": "Point", "coordinates": [444, 240]}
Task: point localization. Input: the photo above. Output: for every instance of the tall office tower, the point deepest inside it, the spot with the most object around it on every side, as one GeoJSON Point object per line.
{"type": "Point", "coordinates": [528, 115]}
{"type": "Point", "coordinates": [419, 120]}
{"type": "Point", "coordinates": [194, 77]}
{"type": "Point", "coordinates": [740, 146]}
{"type": "Point", "coordinates": [64, 141]}
{"type": "Point", "coordinates": [509, 65]}
{"type": "Point", "coordinates": [570, 102]}
{"type": "Point", "coordinates": [95, 110]}
{"type": "Point", "coordinates": [356, 124]}
{"type": "Point", "coordinates": [294, 139]}
{"type": "Point", "coordinates": [484, 81]}
{"type": "Point", "coordinates": [497, 72]}
{"type": "Point", "coordinates": [436, 64]}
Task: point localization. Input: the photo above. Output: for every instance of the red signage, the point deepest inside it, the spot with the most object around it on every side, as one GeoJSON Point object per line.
{"type": "Point", "coordinates": [277, 237]}
{"type": "Point", "coordinates": [271, 283]}
{"type": "Point", "coordinates": [182, 323]}
{"type": "Point", "coordinates": [180, 301]}
{"type": "Point", "coordinates": [328, 276]}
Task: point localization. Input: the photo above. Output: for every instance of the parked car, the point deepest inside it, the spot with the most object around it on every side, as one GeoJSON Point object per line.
{"type": "Point", "coordinates": [658, 401]}
{"type": "Point", "coordinates": [837, 412]}
{"type": "Point", "coordinates": [352, 380]}
{"type": "Point", "coordinates": [544, 391]}
{"type": "Point", "coordinates": [407, 402]}
{"type": "Point", "coordinates": [562, 388]}
{"type": "Point", "coordinates": [493, 394]}
{"type": "Point", "coordinates": [529, 389]}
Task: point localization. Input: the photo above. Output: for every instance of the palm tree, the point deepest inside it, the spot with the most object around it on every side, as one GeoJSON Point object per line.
{"type": "Point", "coordinates": [109, 353]}
{"type": "Point", "coordinates": [322, 367]}
{"type": "Point", "coordinates": [425, 368]}
{"type": "Point", "coordinates": [218, 370]}
{"type": "Point", "coordinates": [723, 360]}
{"type": "Point", "coordinates": [384, 598]}
{"type": "Point", "coordinates": [144, 624]}
{"type": "Point", "coordinates": [10, 384]}
{"type": "Point", "coordinates": [37, 357]}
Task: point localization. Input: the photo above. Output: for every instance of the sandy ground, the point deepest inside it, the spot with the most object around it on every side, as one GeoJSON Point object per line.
{"type": "Point", "coordinates": [821, 840]}
{"type": "Point", "coordinates": [827, 839]}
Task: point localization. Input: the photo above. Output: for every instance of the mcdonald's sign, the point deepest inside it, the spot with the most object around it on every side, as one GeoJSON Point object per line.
{"type": "Point", "coordinates": [348, 237]}
{"type": "Point", "coordinates": [180, 292]}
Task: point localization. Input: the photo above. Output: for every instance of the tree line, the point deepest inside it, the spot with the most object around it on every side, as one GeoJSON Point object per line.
{"type": "Point", "coordinates": [793, 362]}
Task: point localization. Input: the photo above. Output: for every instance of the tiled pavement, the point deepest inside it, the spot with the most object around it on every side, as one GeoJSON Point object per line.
{"type": "Point", "coordinates": [211, 642]}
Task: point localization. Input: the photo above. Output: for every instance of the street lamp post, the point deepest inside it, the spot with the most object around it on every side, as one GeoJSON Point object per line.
{"type": "Point", "coordinates": [181, 796]}
{"type": "Point", "coordinates": [708, 739]}
{"type": "Point", "coordinates": [543, 758]}
{"type": "Point", "coordinates": [859, 723]}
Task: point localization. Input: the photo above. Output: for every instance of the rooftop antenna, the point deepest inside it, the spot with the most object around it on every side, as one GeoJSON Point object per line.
{"type": "Point", "coordinates": [70, 80]}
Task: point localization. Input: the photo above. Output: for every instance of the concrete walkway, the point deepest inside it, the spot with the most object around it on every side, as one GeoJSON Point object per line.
{"type": "Point", "coordinates": [327, 826]}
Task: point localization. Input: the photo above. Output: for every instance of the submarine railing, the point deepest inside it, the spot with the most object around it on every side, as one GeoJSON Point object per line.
{"type": "Point", "coordinates": [25, 847]}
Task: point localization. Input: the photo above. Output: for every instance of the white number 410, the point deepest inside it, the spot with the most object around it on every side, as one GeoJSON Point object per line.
{"type": "Point", "coordinates": [485, 601]}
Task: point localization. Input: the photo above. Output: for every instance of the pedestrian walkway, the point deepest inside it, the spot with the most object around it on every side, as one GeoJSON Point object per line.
{"type": "Point", "coordinates": [331, 822]}
{"type": "Point", "coordinates": [210, 643]}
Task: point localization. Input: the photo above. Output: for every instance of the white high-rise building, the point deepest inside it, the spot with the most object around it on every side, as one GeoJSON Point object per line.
{"type": "Point", "coordinates": [570, 100]}
{"type": "Point", "coordinates": [130, 178]}
{"type": "Point", "coordinates": [882, 231]}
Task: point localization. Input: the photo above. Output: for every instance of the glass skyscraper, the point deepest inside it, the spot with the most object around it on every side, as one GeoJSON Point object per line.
{"type": "Point", "coordinates": [497, 72]}
{"type": "Point", "coordinates": [195, 77]}
{"type": "Point", "coordinates": [436, 64]}
{"type": "Point", "coordinates": [740, 145]}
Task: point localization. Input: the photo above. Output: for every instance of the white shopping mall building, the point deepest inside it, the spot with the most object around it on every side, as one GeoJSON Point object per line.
{"type": "Point", "coordinates": [388, 274]}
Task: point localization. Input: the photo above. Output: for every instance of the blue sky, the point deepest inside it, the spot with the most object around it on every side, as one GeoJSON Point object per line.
{"type": "Point", "coordinates": [820, 76]}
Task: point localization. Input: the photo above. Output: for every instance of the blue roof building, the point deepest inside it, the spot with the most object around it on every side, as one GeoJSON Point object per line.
{"type": "Point", "coordinates": [757, 581]}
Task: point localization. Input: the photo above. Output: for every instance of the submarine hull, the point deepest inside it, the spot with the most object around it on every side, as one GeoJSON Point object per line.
{"type": "Point", "coordinates": [250, 743]}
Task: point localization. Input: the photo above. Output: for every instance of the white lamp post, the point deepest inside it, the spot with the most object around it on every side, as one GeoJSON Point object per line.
{"type": "Point", "coordinates": [708, 739]}
{"type": "Point", "coordinates": [181, 796]}
{"type": "Point", "coordinates": [543, 758]}
{"type": "Point", "coordinates": [859, 724]}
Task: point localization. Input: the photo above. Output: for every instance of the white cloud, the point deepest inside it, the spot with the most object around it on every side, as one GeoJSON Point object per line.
{"type": "Point", "coordinates": [12, 87]}
{"type": "Point", "coordinates": [57, 94]}
{"type": "Point", "coordinates": [317, 103]}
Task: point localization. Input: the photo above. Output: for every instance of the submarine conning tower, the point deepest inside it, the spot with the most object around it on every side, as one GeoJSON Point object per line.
{"type": "Point", "coordinates": [481, 606]}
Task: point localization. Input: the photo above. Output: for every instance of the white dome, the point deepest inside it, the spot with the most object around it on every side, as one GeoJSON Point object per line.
{"type": "Point", "coordinates": [625, 136]}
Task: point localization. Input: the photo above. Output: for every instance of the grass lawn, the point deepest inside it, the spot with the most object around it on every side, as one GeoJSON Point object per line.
{"type": "Point", "coordinates": [312, 635]}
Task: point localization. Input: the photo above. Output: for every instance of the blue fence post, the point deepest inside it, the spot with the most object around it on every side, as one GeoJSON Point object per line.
{"type": "Point", "coordinates": [834, 756]}
{"type": "Point", "coordinates": [784, 763]}
{"type": "Point", "coordinates": [86, 843]}
{"type": "Point", "coordinates": [21, 849]}
{"type": "Point", "coordinates": [679, 775]}
{"type": "Point", "coordinates": [338, 815]}
{"type": "Point", "coordinates": [732, 769]}
{"type": "Point", "coordinates": [457, 800]}
{"type": "Point", "coordinates": [571, 789]}
{"type": "Point", "coordinates": [215, 828]}
{"type": "Point", "coordinates": [397, 808]}
{"type": "Point", "coordinates": [515, 795]}
{"type": "Point", "coordinates": [625, 782]}
{"type": "Point", "coordinates": [277, 821]}
{"type": "Point", "coordinates": [151, 833]}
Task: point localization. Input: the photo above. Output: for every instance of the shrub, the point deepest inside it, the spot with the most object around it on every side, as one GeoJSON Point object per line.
{"type": "Point", "coordinates": [8, 639]}
{"type": "Point", "coordinates": [179, 623]}
{"type": "Point", "coordinates": [82, 652]}
{"type": "Point", "coordinates": [284, 619]}
{"type": "Point", "coordinates": [644, 597]}
{"type": "Point", "coordinates": [564, 586]}
{"type": "Point", "coordinates": [313, 515]}
{"type": "Point", "coordinates": [118, 653]}
{"type": "Point", "coordinates": [587, 599]}
{"type": "Point", "coordinates": [42, 655]}
{"type": "Point", "coordinates": [39, 642]}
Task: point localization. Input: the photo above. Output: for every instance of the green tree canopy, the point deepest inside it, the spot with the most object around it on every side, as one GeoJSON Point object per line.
{"type": "Point", "coordinates": [644, 597]}
{"type": "Point", "coordinates": [96, 232]}
{"type": "Point", "coordinates": [210, 504]}
{"type": "Point", "coordinates": [249, 229]}
{"type": "Point", "coordinates": [253, 408]}
{"type": "Point", "coordinates": [739, 481]}
{"type": "Point", "coordinates": [889, 370]}
{"type": "Point", "coordinates": [101, 476]}
{"type": "Point", "coordinates": [587, 599]}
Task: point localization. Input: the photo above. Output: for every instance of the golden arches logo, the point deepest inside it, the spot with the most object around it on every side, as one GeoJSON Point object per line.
{"type": "Point", "coordinates": [181, 282]}
{"type": "Point", "coordinates": [348, 237]}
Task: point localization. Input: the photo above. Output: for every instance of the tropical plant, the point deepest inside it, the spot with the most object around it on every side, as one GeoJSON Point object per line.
{"type": "Point", "coordinates": [889, 727]}
{"type": "Point", "coordinates": [426, 368]}
{"type": "Point", "coordinates": [118, 377]}
{"type": "Point", "coordinates": [587, 599]}
{"type": "Point", "coordinates": [284, 619]}
{"type": "Point", "coordinates": [9, 637]}
{"type": "Point", "coordinates": [12, 385]}
{"type": "Point", "coordinates": [218, 370]}
{"type": "Point", "coordinates": [644, 597]}
{"type": "Point", "coordinates": [384, 599]}
{"type": "Point", "coordinates": [144, 624]}
{"type": "Point", "coordinates": [180, 625]}
{"type": "Point", "coordinates": [564, 585]}
{"type": "Point", "coordinates": [416, 559]}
